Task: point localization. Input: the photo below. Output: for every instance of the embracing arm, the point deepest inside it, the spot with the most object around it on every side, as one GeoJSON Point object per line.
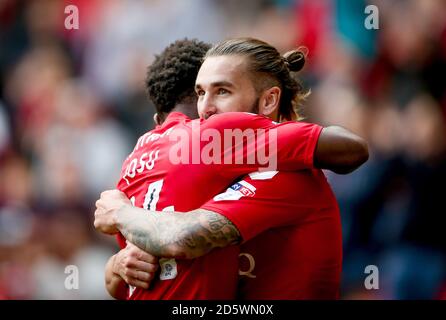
{"type": "Point", "coordinates": [299, 145]}
{"type": "Point", "coordinates": [130, 266]}
{"type": "Point", "coordinates": [114, 284]}
{"type": "Point", "coordinates": [340, 150]}
{"type": "Point", "coordinates": [176, 235]}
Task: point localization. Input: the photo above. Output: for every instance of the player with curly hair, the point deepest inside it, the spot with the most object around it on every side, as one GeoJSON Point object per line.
{"type": "Point", "coordinates": [165, 221]}
{"type": "Point", "coordinates": [171, 78]}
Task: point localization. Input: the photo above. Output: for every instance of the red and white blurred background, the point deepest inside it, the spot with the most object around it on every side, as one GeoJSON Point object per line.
{"type": "Point", "coordinates": [72, 104]}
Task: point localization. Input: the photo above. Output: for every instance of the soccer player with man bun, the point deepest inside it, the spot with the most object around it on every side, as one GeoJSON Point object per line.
{"type": "Point", "coordinates": [229, 81]}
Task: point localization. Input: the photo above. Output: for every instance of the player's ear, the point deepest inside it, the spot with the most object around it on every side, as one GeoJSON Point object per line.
{"type": "Point", "coordinates": [157, 119]}
{"type": "Point", "coordinates": [269, 101]}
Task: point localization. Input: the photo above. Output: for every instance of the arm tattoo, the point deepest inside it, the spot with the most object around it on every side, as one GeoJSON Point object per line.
{"type": "Point", "coordinates": [177, 235]}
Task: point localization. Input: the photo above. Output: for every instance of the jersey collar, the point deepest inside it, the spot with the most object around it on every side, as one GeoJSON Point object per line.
{"type": "Point", "coordinates": [174, 116]}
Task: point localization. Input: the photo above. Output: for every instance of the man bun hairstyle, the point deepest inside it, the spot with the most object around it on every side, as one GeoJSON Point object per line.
{"type": "Point", "coordinates": [267, 69]}
{"type": "Point", "coordinates": [295, 60]}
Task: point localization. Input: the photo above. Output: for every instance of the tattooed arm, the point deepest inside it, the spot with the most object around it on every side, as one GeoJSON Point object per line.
{"type": "Point", "coordinates": [164, 234]}
{"type": "Point", "coordinates": [174, 234]}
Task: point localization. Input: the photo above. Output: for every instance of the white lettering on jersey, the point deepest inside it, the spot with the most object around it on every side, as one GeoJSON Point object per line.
{"type": "Point", "coordinates": [148, 137]}
{"type": "Point", "coordinates": [137, 166]}
{"type": "Point", "coordinates": [152, 195]}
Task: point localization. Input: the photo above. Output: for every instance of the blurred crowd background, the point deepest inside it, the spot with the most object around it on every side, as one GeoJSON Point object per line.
{"type": "Point", "coordinates": [72, 104]}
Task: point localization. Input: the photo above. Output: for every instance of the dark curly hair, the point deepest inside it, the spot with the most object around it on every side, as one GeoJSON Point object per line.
{"type": "Point", "coordinates": [171, 77]}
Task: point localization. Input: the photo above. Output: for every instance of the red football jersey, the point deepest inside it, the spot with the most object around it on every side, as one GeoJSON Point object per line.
{"type": "Point", "coordinates": [301, 257]}
{"type": "Point", "coordinates": [181, 164]}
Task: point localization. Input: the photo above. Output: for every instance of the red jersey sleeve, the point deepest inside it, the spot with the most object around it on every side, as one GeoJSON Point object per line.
{"type": "Point", "coordinates": [122, 242]}
{"type": "Point", "coordinates": [287, 146]}
{"type": "Point", "coordinates": [265, 200]}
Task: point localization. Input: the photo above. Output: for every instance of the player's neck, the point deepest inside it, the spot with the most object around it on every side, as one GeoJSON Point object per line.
{"type": "Point", "coordinates": [188, 109]}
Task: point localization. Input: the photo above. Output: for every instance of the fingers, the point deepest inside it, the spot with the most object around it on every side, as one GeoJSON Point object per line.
{"type": "Point", "coordinates": [140, 254]}
{"type": "Point", "coordinates": [146, 257]}
{"type": "Point", "coordinates": [142, 266]}
{"type": "Point", "coordinates": [137, 278]}
{"type": "Point", "coordinates": [135, 272]}
{"type": "Point", "coordinates": [98, 204]}
{"type": "Point", "coordinates": [108, 192]}
{"type": "Point", "coordinates": [96, 224]}
{"type": "Point", "coordinates": [139, 275]}
{"type": "Point", "coordinates": [112, 193]}
{"type": "Point", "coordinates": [97, 221]}
{"type": "Point", "coordinates": [138, 259]}
{"type": "Point", "coordinates": [138, 283]}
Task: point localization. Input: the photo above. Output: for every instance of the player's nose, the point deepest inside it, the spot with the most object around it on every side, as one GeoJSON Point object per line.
{"type": "Point", "coordinates": [206, 108]}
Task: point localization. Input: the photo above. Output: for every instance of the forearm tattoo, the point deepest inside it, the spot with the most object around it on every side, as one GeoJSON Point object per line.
{"type": "Point", "coordinates": [177, 235]}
